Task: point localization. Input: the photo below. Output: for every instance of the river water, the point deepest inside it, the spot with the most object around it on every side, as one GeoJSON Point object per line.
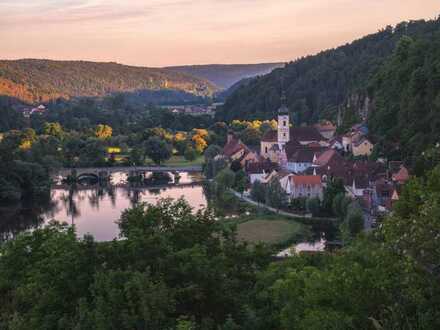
{"type": "Point", "coordinates": [95, 209]}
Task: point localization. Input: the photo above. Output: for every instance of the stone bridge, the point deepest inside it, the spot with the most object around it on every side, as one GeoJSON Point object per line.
{"type": "Point", "coordinates": [106, 171]}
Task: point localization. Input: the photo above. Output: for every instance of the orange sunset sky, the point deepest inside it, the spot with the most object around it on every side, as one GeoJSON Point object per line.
{"type": "Point", "coordinates": [173, 32]}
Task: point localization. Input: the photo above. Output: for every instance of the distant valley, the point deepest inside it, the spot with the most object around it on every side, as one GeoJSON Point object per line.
{"type": "Point", "coordinates": [225, 76]}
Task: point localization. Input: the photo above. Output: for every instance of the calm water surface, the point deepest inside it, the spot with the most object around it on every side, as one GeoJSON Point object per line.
{"type": "Point", "coordinates": [95, 210]}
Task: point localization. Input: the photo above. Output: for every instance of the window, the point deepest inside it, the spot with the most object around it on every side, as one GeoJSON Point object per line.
{"type": "Point", "coordinates": [265, 150]}
{"type": "Point", "coordinates": [284, 123]}
{"type": "Point", "coordinates": [284, 134]}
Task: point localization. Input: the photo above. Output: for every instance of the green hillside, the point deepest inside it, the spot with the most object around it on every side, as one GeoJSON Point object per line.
{"type": "Point", "coordinates": [226, 75]}
{"type": "Point", "coordinates": [319, 86]}
{"type": "Point", "coordinates": [34, 81]}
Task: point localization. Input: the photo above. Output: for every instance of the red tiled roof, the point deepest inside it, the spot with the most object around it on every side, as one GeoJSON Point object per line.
{"type": "Point", "coordinates": [325, 157]}
{"type": "Point", "coordinates": [313, 180]}
{"type": "Point", "coordinates": [234, 146]}
{"type": "Point", "coordinates": [402, 175]}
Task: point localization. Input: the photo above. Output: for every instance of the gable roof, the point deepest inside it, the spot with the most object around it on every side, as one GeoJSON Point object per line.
{"type": "Point", "coordinates": [302, 156]}
{"type": "Point", "coordinates": [402, 175]}
{"type": "Point", "coordinates": [313, 180]}
{"type": "Point", "coordinates": [234, 146]}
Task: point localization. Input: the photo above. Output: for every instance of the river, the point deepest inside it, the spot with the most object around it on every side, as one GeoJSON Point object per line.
{"type": "Point", "coordinates": [95, 209]}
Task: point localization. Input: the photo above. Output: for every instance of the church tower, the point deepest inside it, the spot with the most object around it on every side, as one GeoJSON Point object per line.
{"type": "Point", "coordinates": [283, 122]}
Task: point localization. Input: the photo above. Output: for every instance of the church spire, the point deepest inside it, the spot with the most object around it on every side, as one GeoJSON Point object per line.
{"type": "Point", "coordinates": [283, 119]}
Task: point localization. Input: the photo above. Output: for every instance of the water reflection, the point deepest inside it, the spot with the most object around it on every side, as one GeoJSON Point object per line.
{"type": "Point", "coordinates": [23, 217]}
{"type": "Point", "coordinates": [95, 209]}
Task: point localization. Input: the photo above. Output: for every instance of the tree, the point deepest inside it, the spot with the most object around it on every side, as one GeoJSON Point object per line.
{"type": "Point", "coordinates": [241, 181]}
{"type": "Point", "coordinates": [275, 195]}
{"type": "Point", "coordinates": [225, 179]}
{"type": "Point", "coordinates": [334, 187]}
{"type": "Point", "coordinates": [313, 206]}
{"type": "Point", "coordinates": [157, 149]}
{"type": "Point", "coordinates": [355, 219]}
{"type": "Point", "coordinates": [53, 129]}
{"type": "Point", "coordinates": [190, 154]}
{"type": "Point", "coordinates": [251, 136]}
{"type": "Point", "coordinates": [103, 132]}
{"type": "Point", "coordinates": [258, 192]}
{"type": "Point", "coordinates": [236, 166]}
{"type": "Point", "coordinates": [212, 151]}
{"type": "Point", "coordinates": [340, 205]}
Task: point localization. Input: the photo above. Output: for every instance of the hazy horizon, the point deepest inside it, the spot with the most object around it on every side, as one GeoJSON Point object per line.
{"type": "Point", "coordinates": [158, 33]}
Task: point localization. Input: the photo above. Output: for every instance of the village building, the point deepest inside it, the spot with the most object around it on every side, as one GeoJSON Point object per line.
{"type": "Point", "coordinates": [237, 150]}
{"type": "Point", "coordinates": [326, 129]}
{"type": "Point", "coordinates": [362, 147]}
{"type": "Point", "coordinates": [280, 145]}
{"type": "Point", "coordinates": [401, 175]}
{"type": "Point", "coordinates": [307, 186]}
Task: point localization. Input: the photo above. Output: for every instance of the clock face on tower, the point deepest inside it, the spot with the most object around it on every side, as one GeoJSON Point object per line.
{"type": "Point", "coordinates": [283, 129]}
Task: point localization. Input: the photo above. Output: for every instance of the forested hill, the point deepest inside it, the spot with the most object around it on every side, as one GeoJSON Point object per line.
{"type": "Point", "coordinates": [406, 93]}
{"type": "Point", "coordinates": [317, 86]}
{"type": "Point", "coordinates": [226, 75]}
{"type": "Point", "coordinates": [34, 81]}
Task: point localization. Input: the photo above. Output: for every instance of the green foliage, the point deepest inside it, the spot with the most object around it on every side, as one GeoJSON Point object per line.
{"type": "Point", "coordinates": [53, 129]}
{"type": "Point", "coordinates": [241, 181]}
{"type": "Point", "coordinates": [258, 192]}
{"type": "Point", "coordinates": [318, 86]}
{"type": "Point", "coordinates": [225, 179]}
{"type": "Point", "coordinates": [190, 154]}
{"type": "Point", "coordinates": [335, 187]}
{"type": "Point", "coordinates": [275, 195]}
{"type": "Point", "coordinates": [157, 149]}
{"type": "Point", "coordinates": [406, 120]}
{"type": "Point", "coordinates": [313, 205]}
{"type": "Point", "coordinates": [355, 218]}
{"type": "Point", "coordinates": [172, 269]}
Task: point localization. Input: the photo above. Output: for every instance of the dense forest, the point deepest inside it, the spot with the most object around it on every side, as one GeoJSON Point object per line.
{"type": "Point", "coordinates": [32, 81]}
{"type": "Point", "coordinates": [318, 86]}
{"type": "Point", "coordinates": [226, 75]}
{"type": "Point", "coordinates": [406, 118]}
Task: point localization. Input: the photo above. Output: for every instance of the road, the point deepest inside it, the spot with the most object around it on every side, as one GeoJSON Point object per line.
{"type": "Point", "coordinates": [271, 209]}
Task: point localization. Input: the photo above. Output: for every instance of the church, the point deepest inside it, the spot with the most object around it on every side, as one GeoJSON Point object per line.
{"type": "Point", "coordinates": [293, 148]}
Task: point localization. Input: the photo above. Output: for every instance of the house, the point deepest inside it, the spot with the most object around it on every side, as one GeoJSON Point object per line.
{"type": "Point", "coordinates": [300, 160]}
{"type": "Point", "coordinates": [258, 171]}
{"type": "Point", "coordinates": [362, 147]}
{"type": "Point", "coordinates": [308, 186]}
{"type": "Point", "coordinates": [400, 176]}
{"type": "Point", "coordinates": [326, 129]}
{"type": "Point", "coordinates": [336, 143]}
{"type": "Point", "coordinates": [383, 193]}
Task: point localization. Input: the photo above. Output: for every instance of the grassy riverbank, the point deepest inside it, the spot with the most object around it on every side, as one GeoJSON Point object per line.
{"type": "Point", "coordinates": [275, 230]}
{"type": "Point", "coordinates": [179, 161]}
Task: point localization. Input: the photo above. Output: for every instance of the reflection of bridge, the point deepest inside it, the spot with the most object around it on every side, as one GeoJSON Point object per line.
{"type": "Point", "coordinates": [106, 171]}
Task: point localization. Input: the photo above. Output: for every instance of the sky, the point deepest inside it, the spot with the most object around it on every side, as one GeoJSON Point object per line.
{"type": "Point", "coordinates": [176, 32]}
